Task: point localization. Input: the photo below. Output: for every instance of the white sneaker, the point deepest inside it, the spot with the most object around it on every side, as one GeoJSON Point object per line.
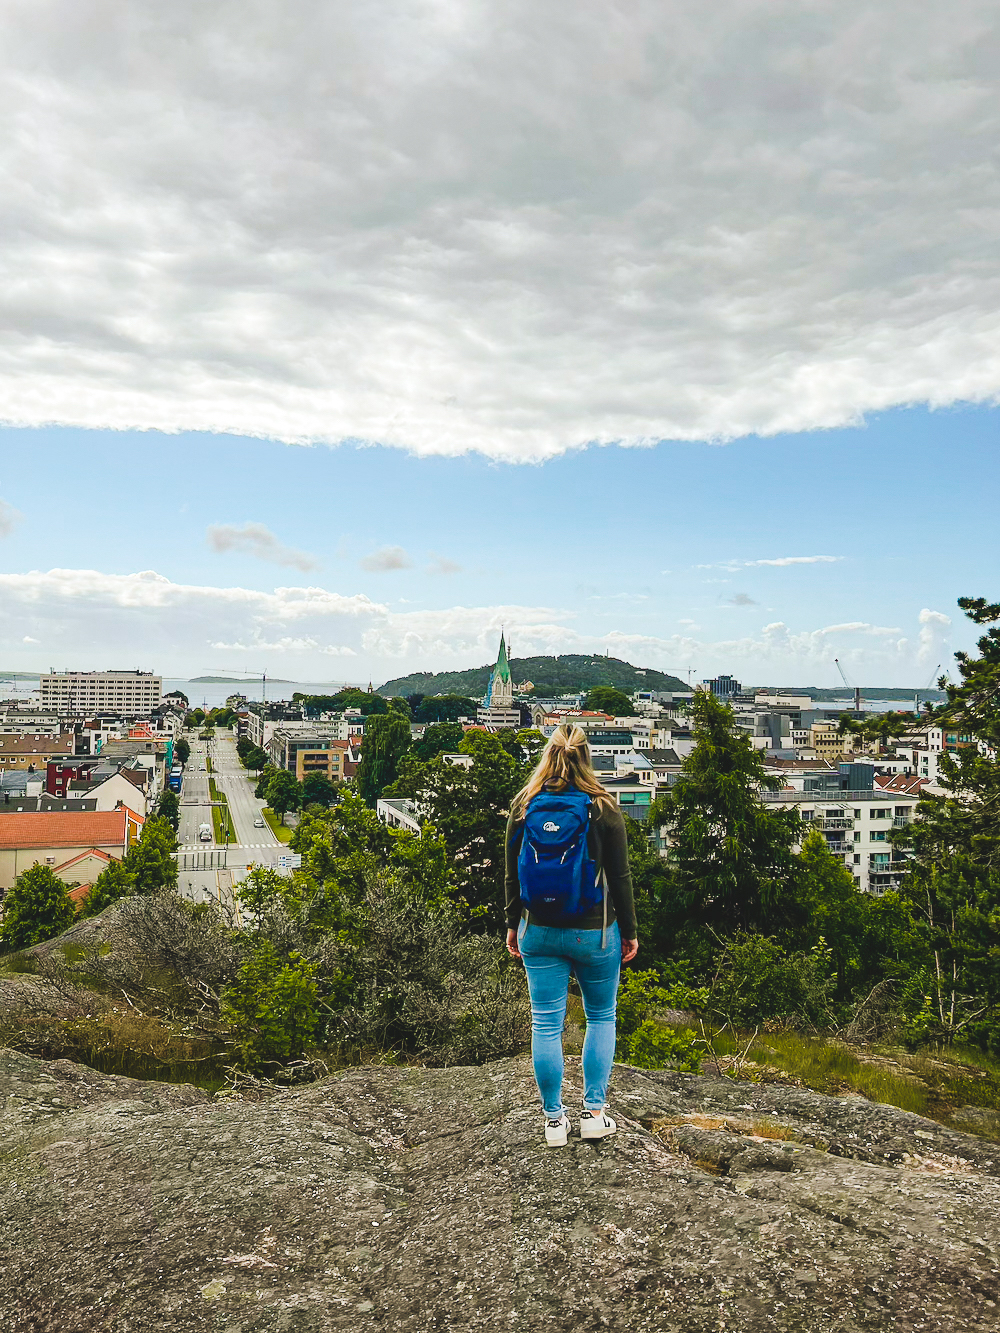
{"type": "Point", "coordinates": [556, 1132]}
{"type": "Point", "coordinates": [596, 1125]}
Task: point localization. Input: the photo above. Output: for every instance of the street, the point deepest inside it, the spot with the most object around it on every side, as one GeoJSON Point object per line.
{"type": "Point", "coordinates": [207, 871]}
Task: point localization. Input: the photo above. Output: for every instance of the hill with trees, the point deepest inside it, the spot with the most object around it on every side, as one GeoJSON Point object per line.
{"type": "Point", "coordinates": [567, 674]}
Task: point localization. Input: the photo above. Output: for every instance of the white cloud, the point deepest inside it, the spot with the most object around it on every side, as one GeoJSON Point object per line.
{"type": "Point", "coordinates": [386, 558]}
{"type": "Point", "coordinates": [509, 227]}
{"type": "Point", "coordinates": [9, 518]}
{"type": "Point", "coordinates": [441, 565]}
{"type": "Point", "coordinates": [257, 540]}
{"type": "Point", "coordinates": [797, 560]}
{"type": "Point", "coordinates": [91, 619]}
{"type": "Point", "coordinates": [934, 636]}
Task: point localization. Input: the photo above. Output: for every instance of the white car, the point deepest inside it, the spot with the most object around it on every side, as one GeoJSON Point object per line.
{"type": "Point", "coordinates": [258, 823]}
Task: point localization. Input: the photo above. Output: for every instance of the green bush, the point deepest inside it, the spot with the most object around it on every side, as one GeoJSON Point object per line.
{"type": "Point", "coordinates": [653, 1046]}
{"type": "Point", "coordinates": [271, 1006]}
{"type": "Point", "coordinates": [757, 980]}
{"type": "Point", "coordinates": [645, 1042]}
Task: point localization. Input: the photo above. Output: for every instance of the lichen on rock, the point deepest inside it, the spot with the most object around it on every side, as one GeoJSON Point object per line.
{"type": "Point", "coordinates": [417, 1199]}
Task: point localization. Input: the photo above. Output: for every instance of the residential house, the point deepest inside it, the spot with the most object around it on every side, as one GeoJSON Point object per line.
{"type": "Point", "coordinates": [56, 839]}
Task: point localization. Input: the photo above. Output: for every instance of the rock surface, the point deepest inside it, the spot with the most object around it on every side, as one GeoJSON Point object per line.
{"type": "Point", "coordinates": [419, 1199]}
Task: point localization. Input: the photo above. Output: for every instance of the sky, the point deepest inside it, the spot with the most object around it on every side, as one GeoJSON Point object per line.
{"type": "Point", "coordinates": [335, 338]}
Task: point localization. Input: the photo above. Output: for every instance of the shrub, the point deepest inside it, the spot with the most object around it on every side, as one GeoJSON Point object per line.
{"type": "Point", "coordinates": [642, 1040]}
{"type": "Point", "coordinates": [36, 908]}
{"type": "Point", "coordinates": [757, 980]}
{"type": "Point", "coordinates": [271, 1006]}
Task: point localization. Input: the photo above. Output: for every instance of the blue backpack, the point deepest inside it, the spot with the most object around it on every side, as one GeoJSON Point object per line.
{"type": "Point", "coordinates": [557, 876]}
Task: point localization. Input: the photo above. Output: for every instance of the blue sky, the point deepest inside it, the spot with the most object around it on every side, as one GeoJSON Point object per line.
{"type": "Point", "coordinates": [662, 555]}
{"type": "Point", "coordinates": [605, 289]}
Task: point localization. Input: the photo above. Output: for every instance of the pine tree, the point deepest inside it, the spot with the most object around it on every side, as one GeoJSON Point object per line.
{"type": "Point", "coordinates": [731, 855]}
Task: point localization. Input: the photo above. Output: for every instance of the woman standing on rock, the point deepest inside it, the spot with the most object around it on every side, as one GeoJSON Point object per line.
{"type": "Point", "coordinates": [569, 907]}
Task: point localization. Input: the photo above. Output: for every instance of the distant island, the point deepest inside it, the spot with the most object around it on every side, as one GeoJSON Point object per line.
{"type": "Point", "coordinates": [19, 675]}
{"type": "Point", "coordinates": [232, 680]}
{"type": "Point", "coordinates": [568, 674]}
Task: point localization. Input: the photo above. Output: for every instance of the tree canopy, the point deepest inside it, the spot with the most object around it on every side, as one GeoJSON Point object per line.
{"type": "Point", "coordinates": [37, 906]}
{"type": "Point", "coordinates": [606, 699]}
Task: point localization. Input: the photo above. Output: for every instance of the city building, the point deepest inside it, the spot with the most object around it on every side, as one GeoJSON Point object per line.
{"type": "Point", "coordinates": [65, 841]}
{"type": "Point", "coordinates": [82, 693]}
{"type": "Point", "coordinates": [309, 750]}
{"type": "Point", "coordinates": [28, 752]}
{"type": "Point", "coordinates": [398, 813]}
{"type": "Point", "coordinates": [723, 687]}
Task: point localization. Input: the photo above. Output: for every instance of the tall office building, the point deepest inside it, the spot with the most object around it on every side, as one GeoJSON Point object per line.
{"type": "Point", "coordinates": [82, 693]}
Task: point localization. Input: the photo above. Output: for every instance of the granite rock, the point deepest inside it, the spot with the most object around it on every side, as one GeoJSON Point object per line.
{"type": "Point", "coordinates": [417, 1199]}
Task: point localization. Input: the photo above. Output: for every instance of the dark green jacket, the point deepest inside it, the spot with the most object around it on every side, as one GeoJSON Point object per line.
{"type": "Point", "coordinates": [608, 847]}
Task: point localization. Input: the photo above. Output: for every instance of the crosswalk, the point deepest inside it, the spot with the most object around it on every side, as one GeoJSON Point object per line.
{"type": "Point", "coordinates": [233, 846]}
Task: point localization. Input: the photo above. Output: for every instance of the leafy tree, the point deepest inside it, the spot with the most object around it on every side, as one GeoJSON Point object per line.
{"type": "Point", "coordinates": [387, 739]}
{"type": "Point", "coordinates": [113, 883]}
{"type": "Point", "coordinates": [257, 759]}
{"type": "Point", "coordinates": [182, 750]}
{"type": "Point", "coordinates": [731, 855]}
{"type": "Point", "coordinates": [317, 789]}
{"type": "Point", "coordinates": [468, 807]}
{"type": "Point", "coordinates": [439, 738]}
{"type": "Point", "coordinates": [606, 699]}
{"type": "Point", "coordinates": [284, 792]}
{"type": "Point", "coordinates": [151, 861]}
{"type": "Point", "coordinates": [397, 704]}
{"type": "Point", "coordinates": [262, 887]}
{"type": "Point", "coordinates": [37, 907]}
{"type": "Point", "coordinates": [266, 773]}
{"type": "Point", "coordinates": [445, 708]}
{"type": "Point", "coordinates": [244, 746]}
{"type": "Point", "coordinates": [271, 1006]}
{"type": "Point", "coordinates": [168, 807]}
{"type": "Point", "coordinates": [314, 704]}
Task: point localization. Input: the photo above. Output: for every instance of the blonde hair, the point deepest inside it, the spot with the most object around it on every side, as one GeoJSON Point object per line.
{"type": "Point", "coordinates": [565, 762]}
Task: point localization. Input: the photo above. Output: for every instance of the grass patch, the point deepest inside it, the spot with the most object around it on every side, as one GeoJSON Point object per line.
{"type": "Point", "coordinates": [280, 831]}
{"type": "Point", "coordinates": [122, 1041]}
{"type": "Point", "coordinates": [208, 766]}
{"type": "Point", "coordinates": [213, 790]}
{"type": "Point", "coordinates": [221, 821]}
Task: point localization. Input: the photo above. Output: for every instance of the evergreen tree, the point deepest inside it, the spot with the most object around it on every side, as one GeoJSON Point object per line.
{"type": "Point", "coordinates": [731, 855]}
{"type": "Point", "coordinates": [37, 907]}
{"type": "Point", "coordinates": [182, 750]}
{"type": "Point", "coordinates": [150, 861]}
{"type": "Point", "coordinates": [953, 882]}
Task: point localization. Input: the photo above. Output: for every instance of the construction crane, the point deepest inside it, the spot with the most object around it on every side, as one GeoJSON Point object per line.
{"type": "Point", "coordinates": [916, 697]}
{"type": "Point", "coordinates": [858, 701]}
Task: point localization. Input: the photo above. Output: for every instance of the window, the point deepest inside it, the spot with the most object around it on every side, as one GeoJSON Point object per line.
{"type": "Point", "coordinates": [878, 837]}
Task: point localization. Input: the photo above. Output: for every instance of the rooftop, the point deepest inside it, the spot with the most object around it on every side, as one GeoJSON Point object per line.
{"type": "Point", "coordinates": [88, 828]}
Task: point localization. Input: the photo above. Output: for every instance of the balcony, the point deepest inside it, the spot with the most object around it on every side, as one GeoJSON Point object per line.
{"type": "Point", "coordinates": [833, 823]}
{"type": "Point", "coordinates": [840, 848]}
{"type": "Point", "coordinates": [901, 821]}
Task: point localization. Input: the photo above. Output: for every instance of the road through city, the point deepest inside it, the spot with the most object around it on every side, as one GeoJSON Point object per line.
{"type": "Point", "coordinates": [207, 871]}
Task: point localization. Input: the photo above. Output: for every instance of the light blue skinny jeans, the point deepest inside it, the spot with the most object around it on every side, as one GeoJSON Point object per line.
{"type": "Point", "coordinates": [549, 952]}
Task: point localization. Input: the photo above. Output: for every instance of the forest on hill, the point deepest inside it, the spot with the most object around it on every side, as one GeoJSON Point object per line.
{"type": "Point", "coordinates": [550, 675]}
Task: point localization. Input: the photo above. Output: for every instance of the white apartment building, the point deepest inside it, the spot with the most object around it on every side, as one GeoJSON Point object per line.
{"type": "Point", "coordinates": [82, 693]}
{"type": "Point", "coordinates": [856, 826]}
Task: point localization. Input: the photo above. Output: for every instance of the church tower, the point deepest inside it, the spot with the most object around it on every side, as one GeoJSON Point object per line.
{"type": "Point", "coordinates": [500, 691]}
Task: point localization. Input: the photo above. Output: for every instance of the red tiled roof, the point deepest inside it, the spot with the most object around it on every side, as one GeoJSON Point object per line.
{"type": "Point", "coordinates": [85, 828]}
{"type": "Point", "coordinates": [905, 783]}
